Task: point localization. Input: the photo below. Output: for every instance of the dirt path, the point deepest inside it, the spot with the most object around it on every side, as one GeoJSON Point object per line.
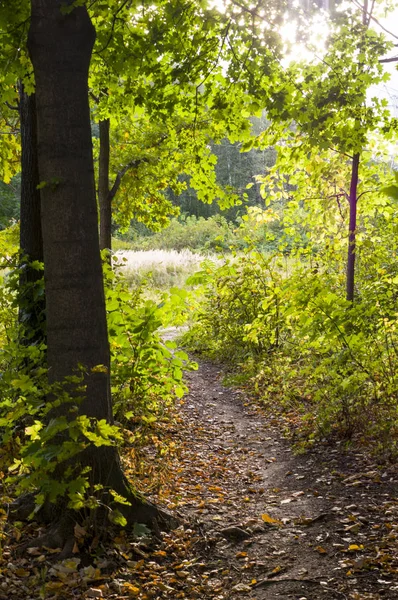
{"type": "Point", "coordinates": [276, 525]}
{"type": "Point", "coordinates": [257, 522]}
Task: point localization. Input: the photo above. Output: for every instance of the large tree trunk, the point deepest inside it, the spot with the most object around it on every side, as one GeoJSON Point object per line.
{"type": "Point", "coordinates": [31, 303]}
{"type": "Point", "coordinates": [60, 47]}
{"type": "Point", "coordinates": [104, 199]}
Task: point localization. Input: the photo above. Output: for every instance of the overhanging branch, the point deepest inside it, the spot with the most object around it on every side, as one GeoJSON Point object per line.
{"type": "Point", "coordinates": [133, 164]}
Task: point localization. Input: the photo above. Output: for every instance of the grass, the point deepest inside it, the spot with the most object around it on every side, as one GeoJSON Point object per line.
{"type": "Point", "coordinates": [161, 269]}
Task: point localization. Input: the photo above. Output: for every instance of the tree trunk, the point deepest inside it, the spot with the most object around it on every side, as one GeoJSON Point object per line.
{"type": "Point", "coordinates": [353, 200]}
{"type": "Point", "coordinates": [104, 199]}
{"type": "Point", "coordinates": [60, 46]}
{"type": "Point", "coordinates": [31, 301]}
{"type": "Point", "coordinates": [352, 228]}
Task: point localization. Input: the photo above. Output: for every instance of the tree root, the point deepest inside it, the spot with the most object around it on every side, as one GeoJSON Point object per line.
{"type": "Point", "coordinates": [61, 521]}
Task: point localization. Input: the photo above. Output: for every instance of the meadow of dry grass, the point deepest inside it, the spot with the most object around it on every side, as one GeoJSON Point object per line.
{"type": "Point", "coordinates": [160, 268]}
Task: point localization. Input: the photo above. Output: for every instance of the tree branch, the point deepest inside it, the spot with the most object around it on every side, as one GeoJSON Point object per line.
{"type": "Point", "coordinates": [372, 18]}
{"type": "Point", "coordinates": [11, 107]}
{"type": "Point", "coordinates": [133, 164]}
{"type": "Point", "coordinates": [389, 60]}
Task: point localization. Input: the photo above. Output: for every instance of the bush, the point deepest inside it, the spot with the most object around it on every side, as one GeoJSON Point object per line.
{"type": "Point", "coordinates": [331, 368]}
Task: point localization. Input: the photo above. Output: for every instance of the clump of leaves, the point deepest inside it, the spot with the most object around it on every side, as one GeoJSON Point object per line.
{"type": "Point", "coordinates": [241, 312]}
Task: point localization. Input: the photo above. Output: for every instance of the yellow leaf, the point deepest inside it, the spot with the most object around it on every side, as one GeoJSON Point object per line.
{"type": "Point", "coordinates": [321, 550]}
{"type": "Point", "coordinates": [277, 569]}
{"type": "Point", "coordinates": [270, 520]}
{"type": "Point", "coordinates": [99, 369]}
{"type": "Point", "coordinates": [241, 555]}
{"type": "Point", "coordinates": [133, 590]}
{"type": "Point", "coordinates": [354, 547]}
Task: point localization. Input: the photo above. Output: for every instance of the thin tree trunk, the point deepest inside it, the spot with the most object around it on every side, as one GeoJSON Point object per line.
{"type": "Point", "coordinates": [353, 200]}
{"type": "Point", "coordinates": [31, 304]}
{"type": "Point", "coordinates": [352, 228]}
{"type": "Point", "coordinates": [60, 46]}
{"type": "Point", "coordinates": [104, 199]}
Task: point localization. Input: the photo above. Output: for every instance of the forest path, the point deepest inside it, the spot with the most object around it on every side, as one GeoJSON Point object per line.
{"type": "Point", "coordinates": [277, 525]}
{"type": "Point", "coordinates": [257, 521]}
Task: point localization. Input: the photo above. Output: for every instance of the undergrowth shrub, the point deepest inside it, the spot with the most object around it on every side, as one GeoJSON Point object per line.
{"type": "Point", "coordinates": [147, 373]}
{"type": "Point", "coordinates": [329, 367]}
{"type": "Point", "coordinates": [41, 426]}
{"type": "Point", "coordinates": [241, 312]}
{"type": "Point", "coordinates": [256, 227]}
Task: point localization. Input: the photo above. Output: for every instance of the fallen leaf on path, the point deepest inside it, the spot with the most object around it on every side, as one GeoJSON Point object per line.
{"type": "Point", "coordinates": [270, 520]}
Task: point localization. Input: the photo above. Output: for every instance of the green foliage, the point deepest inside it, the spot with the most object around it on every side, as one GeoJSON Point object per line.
{"type": "Point", "coordinates": [9, 243]}
{"type": "Point", "coordinates": [9, 202]}
{"type": "Point", "coordinates": [256, 227]}
{"type": "Point", "coordinates": [40, 423]}
{"type": "Point", "coordinates": [238, 296]}
{"type": "Point", "coordinates": [147, 373]}
{"type": "Point", "coordinates": [213, 234]}
{"type": "Point", "coordinates": [159, 74]}
{"type": "Point", "coordinates": [330, 368]}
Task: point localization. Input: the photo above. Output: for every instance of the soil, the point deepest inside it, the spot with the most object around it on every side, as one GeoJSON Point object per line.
{"type": "Point", "coordinates": [257, 521]}
{"type": "Point", "coordinates": [278, 525]}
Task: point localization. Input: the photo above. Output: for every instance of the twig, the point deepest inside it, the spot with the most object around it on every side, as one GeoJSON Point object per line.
{"type": "Point", "coordinates": [389, 60]}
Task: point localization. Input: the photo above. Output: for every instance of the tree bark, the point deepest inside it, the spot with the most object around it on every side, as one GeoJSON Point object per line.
{"type": "Point", "coordinates": [60, 46]}
{"type": "Point", "coordinates": [31, 303]}
{"type": "Point", "coordinates": [104, 199]}
{"type": "Point", "coordinates": [31, 239]}
{"type": "Point", "coordinates": [353, 200]}
{"type": "Point", "coordinates": [352, 229]}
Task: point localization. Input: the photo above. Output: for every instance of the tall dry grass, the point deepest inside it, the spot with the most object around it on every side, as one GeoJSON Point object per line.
{"type": "Point", "coordinates": [162, 269]}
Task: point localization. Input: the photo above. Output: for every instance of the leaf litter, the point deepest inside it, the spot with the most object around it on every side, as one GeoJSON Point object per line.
{"type": "Point", "coordinates": [258, 522]}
